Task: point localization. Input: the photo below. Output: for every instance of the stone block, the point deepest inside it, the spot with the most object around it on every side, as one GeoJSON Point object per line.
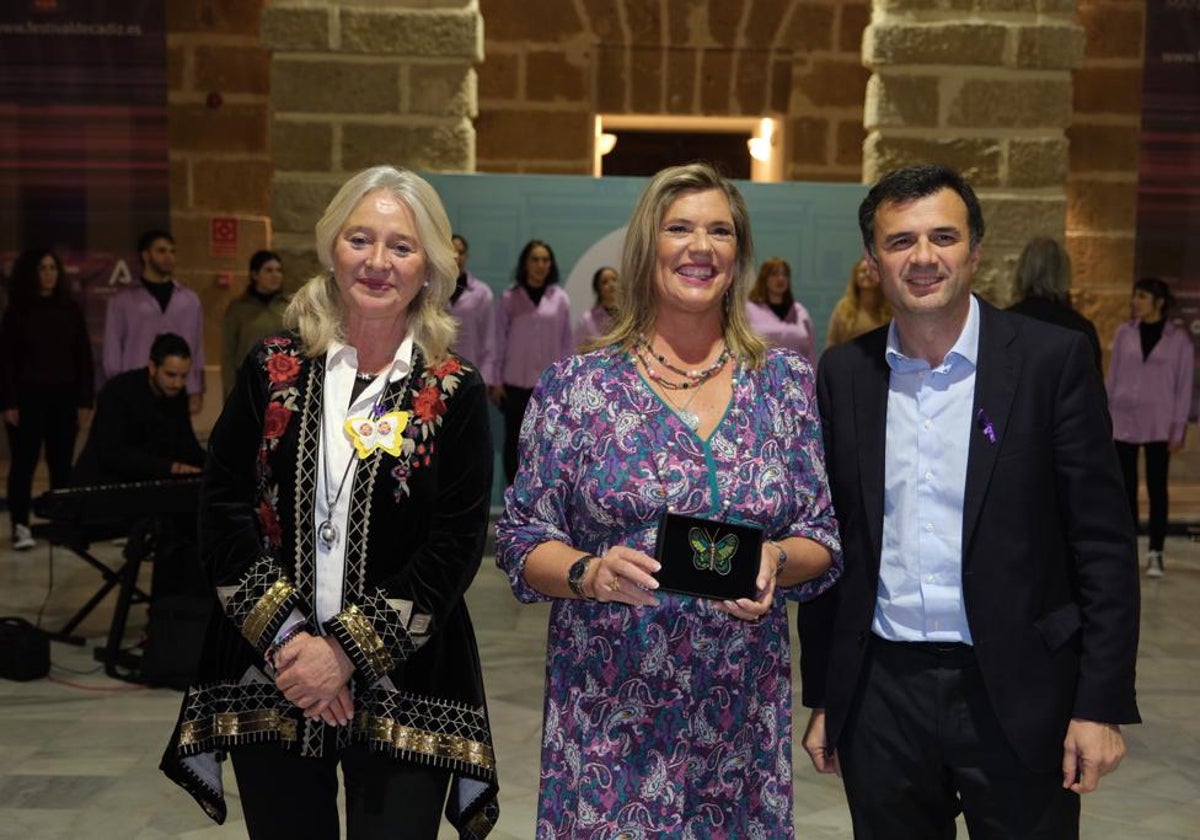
{"type": "Point", "coordinates": [751, 83]}
{"type": "Point", "coordinates": [611, 73]}
{"type": "Point", "coordinates": [993, 280]}
{"type": "Point", "coordinates": [1103, 263]}
{"type": "Point", "coordinates": [1048, 46]}
{"type": "Point", "coordinates": [1108, 90]}
{"type": "Point", "coordinates": [895, 100]}
{"type": "Point", "coordinates": [782, 72]}
{"type": "Point", "coordinates": [521, 20]}
{"type": "Point", "coordinates": [644, 23]}
{"type": "Point", "coordinates": [179, 182]}
{"type": "Point", "coordinates": [296, 29]}
{"type": "Point", "coordinates": [1057, 7]}
{"type": "Point", "coordinates": [966, 43]}
{"type": "Point", "coordinates": [241, 69]}
{"type": "Point", "coordinates": [296, 204]}
{"type": "Point", "coordinates": [499, 76]}
{"type": "Point", "coordinates": [1037, 162]}
{"type": "Point", "coordinates": [230, 128]}
{"type": "Point", "coordinates": [855, 17]}
{"type": "Point", "coordinates": [232, 186]}
{"type": "Point", "coordinates": [338, 86]}
{"type": "Point", "coordinates": [833, 83]}
{"type": "Point", "coordinates": [225, 16]}
{"type": "Point", "coordinates": [850, 137]}
{"type": "Point", "coordinates": [716, 68]}
{"type": "Point", "coordinates": [554, 76]}
{"type": "Point", "coordinates": [177, 64]}
{"type": "Point", "coordinates": [680, 88]}
{"type": "Point", "coordinates": [810, 141]}
{"type": "Point", "coordinates": [302, 146]}
{"type": "Point", "coordinates": [825, 173]}
{"type": "Point", "coordinates": [723, 19]}
{"type": "Point", "coordinates": [446, 147]}
{"type": "Point", "coordinates": [909, 6]}
{"type": "Point", "coordinates": [1102, 205]}
{"type": "Point", "coordinates": [299, 258]}
{"type": "Point", "coordinates": [762, 26]}
{"type": "Point", "coordinates": [531, 134]}
{"type": "Point", "coordinates": [442, 89]}
{"type": "Point", "coordinates": [1114, 29]}
{"type": "Point", "coordinates": [1004, 103]}
{"type": "Point", "coordinates": [412, 33]}
{"type": "Point", "coordinates": [603, 21]}
{"type": "Point", "coordinates": [648, 75]}
{"type": "Point", "coordinates": [1103, 148]}
{"type": "Point", "coordinates": [810, 28]}
{"type": "Point", "coordinates": [978, 159]}
{"type": "Point", "coordinates": [1014, 219]}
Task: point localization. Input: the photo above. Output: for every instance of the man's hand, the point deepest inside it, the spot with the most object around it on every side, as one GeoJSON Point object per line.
{"type": "Point", "coordinates": [180, 468]}
{"type": "Point", "coordinates": [824, 759]}
{"type": "Point", "coordinates": [312, 673]}
{"type": "Point", "coordinates": [1091, 750]}
{"type": "Point", "coordinates": [195, 402]}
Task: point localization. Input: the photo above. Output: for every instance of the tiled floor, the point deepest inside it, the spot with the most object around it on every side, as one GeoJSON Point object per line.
{"type": "Point", "coordinates": [79, 752]}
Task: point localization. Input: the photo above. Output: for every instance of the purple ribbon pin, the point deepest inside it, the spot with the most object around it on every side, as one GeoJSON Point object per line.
{"type": "Point", "coordinates": [985, 425]}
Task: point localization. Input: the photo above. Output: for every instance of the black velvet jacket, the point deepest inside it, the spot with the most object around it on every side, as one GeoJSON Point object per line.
{"type": "Point", "coordinates": [415, 539]}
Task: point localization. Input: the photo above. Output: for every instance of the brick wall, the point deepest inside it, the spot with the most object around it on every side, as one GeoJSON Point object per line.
{"type": "Point", "coordinates": [552, 64]}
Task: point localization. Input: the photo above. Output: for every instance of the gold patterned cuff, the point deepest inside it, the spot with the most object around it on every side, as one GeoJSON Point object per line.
{"type": "Point", "coordinates": [365, 639]}
{"type": "Point", "coordinates": [264, 612]}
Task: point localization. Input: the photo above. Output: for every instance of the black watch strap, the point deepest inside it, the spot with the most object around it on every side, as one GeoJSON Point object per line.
{"type": "Point", "coordinates": [577, 573]}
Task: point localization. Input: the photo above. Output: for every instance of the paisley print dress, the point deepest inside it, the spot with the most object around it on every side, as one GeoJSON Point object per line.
{"type": "Point", "coordinates": [671, 721]}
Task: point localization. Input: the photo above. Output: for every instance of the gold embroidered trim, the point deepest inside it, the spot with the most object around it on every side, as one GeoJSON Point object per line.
{"type": "Point", "coordinates": [234, 725]}
{"type": "Point", "coordinates": [432, 744]}
{"type": "Point", "coordinates": [367, 640]}
{"type": "Point", "coordinates": [268, 605]}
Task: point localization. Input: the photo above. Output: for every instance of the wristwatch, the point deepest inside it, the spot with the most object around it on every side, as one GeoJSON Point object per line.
{"type": "Point", "coordinates": [576, 574]}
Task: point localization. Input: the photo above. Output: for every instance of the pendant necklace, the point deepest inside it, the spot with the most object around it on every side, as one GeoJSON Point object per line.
{"type": "Point", "coordinates": [327, 532]}
{"type": "Point", "coordinates": [689, 418]}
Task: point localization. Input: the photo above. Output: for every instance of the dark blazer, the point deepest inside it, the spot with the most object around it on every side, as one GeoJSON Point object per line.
{"type": "Point", "coordinates": [1049, 562]}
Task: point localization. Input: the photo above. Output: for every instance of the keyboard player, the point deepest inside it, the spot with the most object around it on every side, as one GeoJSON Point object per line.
{"type": "Point", "coordinates": [142, 428]}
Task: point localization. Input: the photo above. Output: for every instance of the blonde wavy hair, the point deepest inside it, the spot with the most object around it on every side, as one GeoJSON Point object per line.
{"type": "Point", "coordinates": [316, 310]}
{"type": "Point", "coordinates": [639, 262]}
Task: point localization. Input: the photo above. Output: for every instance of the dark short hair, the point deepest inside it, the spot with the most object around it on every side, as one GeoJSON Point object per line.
{"type": "Point", "coordinates": [169, 344]}
{"type": "Point", "coordinates": [261, 258]}
{"type": "Point", "coordinates": [151, 236]}
{"type": "Point", "coordinates": [552, 277]}
{"type": "Point", "coordinates": [462, 239]}
{"type": "Point", "coordinates": [918, 181]}
{"type": "Point", "coordinates": [1158, 289]}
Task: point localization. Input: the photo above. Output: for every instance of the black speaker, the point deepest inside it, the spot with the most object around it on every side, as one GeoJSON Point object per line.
{"type": "Point", "coordinates": [24, 650]}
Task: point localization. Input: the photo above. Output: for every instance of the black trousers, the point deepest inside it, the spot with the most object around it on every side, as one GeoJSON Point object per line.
{"type": "Point", "coordinates": [287, 797]}
{"type": "Point", "coordinates": [516, 400]}
{"type": "Point", "coordinates": [1158, 459]}
{"type": "Point", "coordinates": [47, 415]}
{"type": "Point", "coordinates": [921, 743]}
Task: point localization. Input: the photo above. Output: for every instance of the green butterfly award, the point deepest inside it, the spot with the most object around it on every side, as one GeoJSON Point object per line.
{"type": "Point", "coordinates": [708, 558]}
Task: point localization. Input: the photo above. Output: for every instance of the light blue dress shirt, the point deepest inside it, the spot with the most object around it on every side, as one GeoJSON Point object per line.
{"type": "Point", "coordinates": [925, 473]}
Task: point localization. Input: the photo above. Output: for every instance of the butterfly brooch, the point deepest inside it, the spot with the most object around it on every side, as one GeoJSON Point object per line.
{"type": "Point", "coordinates": [710, 553]}
{"type": "Point", "coordinates": [371, 433]}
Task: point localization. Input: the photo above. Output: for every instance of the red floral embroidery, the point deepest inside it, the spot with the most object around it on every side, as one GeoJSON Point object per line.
{"type": "Point", "coordinates": [451, 365]}
{"type": "Point", "coordinates": [281, 367]}
{"type": "Point", "coordinates": [276, 421]}
{"type": "Point", "coordinates": [268, 521]}
{"type": "Point", "coordinates": [428, 403]}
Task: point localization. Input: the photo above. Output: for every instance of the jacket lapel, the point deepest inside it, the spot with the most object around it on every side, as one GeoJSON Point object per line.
{"type": "Point", "coordinates": [870, 424]}
{"type": "Point", "coordinates": [999, 366]}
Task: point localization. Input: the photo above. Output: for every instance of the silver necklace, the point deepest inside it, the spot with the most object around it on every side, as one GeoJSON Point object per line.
{"type": "Point", "coordinates": [688, 417]}
{"type": "Point", "coordinates": [327, 532]}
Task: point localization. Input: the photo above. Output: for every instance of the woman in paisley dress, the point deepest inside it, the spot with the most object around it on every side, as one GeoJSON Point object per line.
{"type": "Point", "coordinates": [343, 516]}
{"type": "Point", "coordinates": [668, 716]}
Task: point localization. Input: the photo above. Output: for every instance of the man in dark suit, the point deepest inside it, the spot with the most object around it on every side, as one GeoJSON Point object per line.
{"type": "Point", "coordinates": [978, 653]}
